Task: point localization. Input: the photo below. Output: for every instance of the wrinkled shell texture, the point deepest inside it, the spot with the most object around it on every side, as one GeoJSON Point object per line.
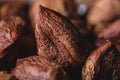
{"type": "Point", "coordinates": [58, 39]}
{"type": "Point", "coordinates": [38, 68]}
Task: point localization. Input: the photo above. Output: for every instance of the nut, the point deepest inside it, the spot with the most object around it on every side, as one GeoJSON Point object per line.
{"type": "Point", "coordinates": [58, 39]}
{"type": "Point", "coordinates": [38, 68]}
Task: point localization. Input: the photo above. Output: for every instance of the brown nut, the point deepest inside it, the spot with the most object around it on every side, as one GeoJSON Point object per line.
{"type": "Point", "coordinates": [38, 68]}
{"type": "Point", "coordinates": [65, 7]}
{"type": "Point", "coordinates": [100, 64]}
{"type": "Point", "coordinates": [58, 39]}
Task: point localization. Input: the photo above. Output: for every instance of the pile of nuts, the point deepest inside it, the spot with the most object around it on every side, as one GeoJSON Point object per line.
{"type": "Point", "coordinates": [51, 40]}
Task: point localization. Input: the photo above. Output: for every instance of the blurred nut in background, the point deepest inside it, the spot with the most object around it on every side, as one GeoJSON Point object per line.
{"type": "Point", "coordinates": [103, 11]}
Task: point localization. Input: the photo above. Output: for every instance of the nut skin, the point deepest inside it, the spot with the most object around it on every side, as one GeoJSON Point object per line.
{"type": "Point", "coordinates": [38, 68]}
{"type": "Point", "coordinates": [100, 64]}
{"type": "Point", "coordinates": [59, 40]}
